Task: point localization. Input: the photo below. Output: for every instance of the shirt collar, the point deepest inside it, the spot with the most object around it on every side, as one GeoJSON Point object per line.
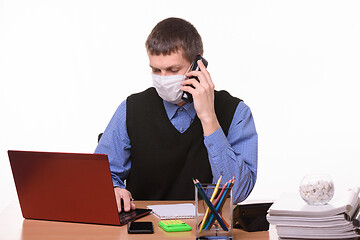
{"type": "Point", "coordinates": [172, 108]}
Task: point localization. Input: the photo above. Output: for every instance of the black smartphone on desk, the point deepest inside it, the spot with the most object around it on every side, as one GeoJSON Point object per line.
{"type": "Point", "coordinates": [140, 227]}
{"type": "Point", "coordinates": [187, 97]}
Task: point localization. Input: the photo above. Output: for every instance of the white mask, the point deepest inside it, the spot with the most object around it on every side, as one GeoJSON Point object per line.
{"type": "Point", "coordinates": [168, 87]}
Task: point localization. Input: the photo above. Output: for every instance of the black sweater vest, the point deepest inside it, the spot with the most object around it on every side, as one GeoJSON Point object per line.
{"type": "Point", "coordinates": [164, 161]}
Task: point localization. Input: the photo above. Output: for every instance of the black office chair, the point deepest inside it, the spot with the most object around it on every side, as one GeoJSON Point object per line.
{"type": "Point", "coordinates": [99, 136]}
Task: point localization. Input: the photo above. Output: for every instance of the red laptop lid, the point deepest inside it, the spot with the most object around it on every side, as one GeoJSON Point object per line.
{"type": "Point", "coordinates": [70, 187]}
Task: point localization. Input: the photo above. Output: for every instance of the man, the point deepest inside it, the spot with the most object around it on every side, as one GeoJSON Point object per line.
{"type": "Point", "coordinates": [158, 142]}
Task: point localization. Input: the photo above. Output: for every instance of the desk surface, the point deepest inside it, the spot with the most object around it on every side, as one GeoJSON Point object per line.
{"type": "Point", "coordinates": [14, 227]}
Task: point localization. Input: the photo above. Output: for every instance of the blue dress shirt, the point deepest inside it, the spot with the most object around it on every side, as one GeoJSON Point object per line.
{"type": "Point", "coordinates": [234, 155]}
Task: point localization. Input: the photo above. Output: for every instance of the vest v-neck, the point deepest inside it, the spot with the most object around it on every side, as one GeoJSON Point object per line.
{"type": "Point", "coordinates": [171, 127]}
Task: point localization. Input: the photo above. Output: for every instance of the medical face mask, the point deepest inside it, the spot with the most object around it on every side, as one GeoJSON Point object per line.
{"type": "Point", "coordinates": [168, 87]}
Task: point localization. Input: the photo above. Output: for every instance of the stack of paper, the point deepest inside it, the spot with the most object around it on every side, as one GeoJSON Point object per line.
{"type": "Point", "coordinates": [295, 219]}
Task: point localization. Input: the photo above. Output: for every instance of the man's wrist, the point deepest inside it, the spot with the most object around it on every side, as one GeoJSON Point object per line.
{"type": "Point", "coordinates": [210, 125]}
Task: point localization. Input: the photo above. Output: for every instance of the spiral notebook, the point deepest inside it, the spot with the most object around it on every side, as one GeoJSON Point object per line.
{"type": "Point", "coordinates": [173, 211]}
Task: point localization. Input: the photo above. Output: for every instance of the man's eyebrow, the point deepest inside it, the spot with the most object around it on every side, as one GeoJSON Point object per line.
{"type": "Point", "coordinates": [169, 67]}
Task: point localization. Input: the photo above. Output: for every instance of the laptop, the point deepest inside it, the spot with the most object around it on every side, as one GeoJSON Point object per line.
{"type": "Point", "coordinates": [70, 187]}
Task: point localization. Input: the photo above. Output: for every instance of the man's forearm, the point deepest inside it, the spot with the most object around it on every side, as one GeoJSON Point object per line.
{"type": "Point", "coordinates": [225, 160]}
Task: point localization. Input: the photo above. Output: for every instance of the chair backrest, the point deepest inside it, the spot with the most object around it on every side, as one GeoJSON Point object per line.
{"type": "Point", "coordinates": [99, 136]}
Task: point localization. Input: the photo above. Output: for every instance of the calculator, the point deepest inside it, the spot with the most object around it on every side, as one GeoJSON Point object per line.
{"type": "Point", "coordinates": [174, 226]}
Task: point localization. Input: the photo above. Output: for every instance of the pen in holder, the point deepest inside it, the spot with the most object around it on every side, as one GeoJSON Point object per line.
{"type": "Point", "coordinates": [210, 199]}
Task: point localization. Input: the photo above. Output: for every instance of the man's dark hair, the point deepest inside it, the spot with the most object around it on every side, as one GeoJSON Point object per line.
{"type": "Point", "coordinates": [173, 35]}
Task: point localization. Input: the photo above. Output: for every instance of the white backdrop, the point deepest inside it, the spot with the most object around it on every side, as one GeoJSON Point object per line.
{"type": "Point", "coordinates": [65, 66]}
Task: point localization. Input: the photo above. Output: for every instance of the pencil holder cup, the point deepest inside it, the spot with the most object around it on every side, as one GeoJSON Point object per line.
{"type": "Point", "coordinates": [208, 224]}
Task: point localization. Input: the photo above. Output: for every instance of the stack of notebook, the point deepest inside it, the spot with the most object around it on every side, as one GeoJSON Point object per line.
{"type": "Point", "coordinates": [295, 219]}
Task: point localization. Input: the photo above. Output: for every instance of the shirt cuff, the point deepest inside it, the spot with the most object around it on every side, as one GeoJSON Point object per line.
{"type": "Point", "coordinates": [117, 184]}
{"type": "Point", "coordinates": [216, 142]}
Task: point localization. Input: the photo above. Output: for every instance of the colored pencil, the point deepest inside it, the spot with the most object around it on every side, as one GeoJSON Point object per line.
{"type": "Point", "coordinates": [216, 201]}
{"type": "Point", "coordinates": [227, 184]}
{"type": "Point", "coordinates": [205, 218]}
{"type": "Point", "coordinates": [220, 204]}
{"type": "Point", "coordinates": [210, 205]}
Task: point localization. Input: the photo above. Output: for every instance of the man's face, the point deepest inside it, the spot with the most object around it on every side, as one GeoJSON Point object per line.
{"type": "Point", "coordinates": [165, 65]}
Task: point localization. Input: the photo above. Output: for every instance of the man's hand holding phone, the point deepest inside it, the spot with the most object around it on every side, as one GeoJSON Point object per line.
{"type": "Point", "coordinates": [125, 196]}
{"type": "Point", "coordinates": [203, 95]}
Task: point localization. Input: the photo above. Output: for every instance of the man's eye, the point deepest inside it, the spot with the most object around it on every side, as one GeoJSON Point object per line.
{"type": "Point", "coordinates": [155, 70]}
{"type": "Point", "coordinates": [174, 70]}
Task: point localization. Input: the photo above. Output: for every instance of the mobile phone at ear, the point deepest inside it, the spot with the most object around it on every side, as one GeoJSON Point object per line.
{"type": "Point", "coordinates": [140, 227]}
{"type": "Point", "coordinates": [187, 97]}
